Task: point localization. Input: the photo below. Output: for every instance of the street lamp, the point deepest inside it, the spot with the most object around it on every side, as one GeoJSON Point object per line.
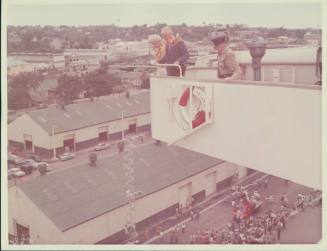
{"type": "Point", "coordinates": [257, 49]}
{"type": "Point", "coordinates": [122, 125]}
{"type": "Point", "coordinates": [53, 143]}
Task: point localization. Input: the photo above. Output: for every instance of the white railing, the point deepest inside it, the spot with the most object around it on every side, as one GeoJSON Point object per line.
{"type": "Point", "coordinates": [149, 66]}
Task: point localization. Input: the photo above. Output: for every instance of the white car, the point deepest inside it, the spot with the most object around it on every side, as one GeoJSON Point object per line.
{"type": "Point", "coordinates": [15, 159]}
{"type": "Point", "coordinates": [101, 146]}
{"type": "Point", "coordinates": [66, 156]}
{"type": "Point", "coordinates": [15, 172]}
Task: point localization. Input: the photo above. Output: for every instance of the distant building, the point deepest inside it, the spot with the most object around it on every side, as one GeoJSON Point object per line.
{"type": "Point", "coordinates": [80, 125]}
{"type": "Point", "coordinates": [281, 65]}
{"type": "Point", "coordinates": [55, 61]}
{"type": "Point", "coordinates": [88, 205]}
{"type": "Point", "coordinates": [56, 43]}
{"type": "Point", "coordinates": [132, 78]}
{"type": "Point", "coordinates": [313, 37]}
{"type": "Point", "coordinates": [86, 58]}
{"type": "Point", "coordinates": [15, 66]}
{"type": "Point", "coordinates": [13, 38]}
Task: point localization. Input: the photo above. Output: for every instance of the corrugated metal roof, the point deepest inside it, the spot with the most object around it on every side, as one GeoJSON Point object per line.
{"type": "Point", "coordinates": [96, 112]}
{"type": "Point", "coordinates": [73, 196]}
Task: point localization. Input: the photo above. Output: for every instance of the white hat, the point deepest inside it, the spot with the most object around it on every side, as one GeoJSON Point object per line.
{"type": "Point", "coordinates": [166, 29]}
{"type": "Point", "coordinates": [154, 38]}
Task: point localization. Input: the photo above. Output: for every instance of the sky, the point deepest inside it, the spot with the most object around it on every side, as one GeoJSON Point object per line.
{"type": "Point", "coordinates": [288, 15]}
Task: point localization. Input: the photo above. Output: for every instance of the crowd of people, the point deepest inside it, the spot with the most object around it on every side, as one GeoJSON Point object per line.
{"type": "Point", "coordinates": [247, 228]}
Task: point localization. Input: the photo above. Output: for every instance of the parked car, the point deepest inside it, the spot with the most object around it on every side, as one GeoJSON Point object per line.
{"type": "Point", "coordinates": [26, 167]}
{"type": "Point", "coordinates": [35, 158]}
{"type": "Point", "coordinates": [66, 156]}
{"type": "Point", "coordinates": [15, 159]}
{"type": "Point", "coordinates": [41, 106]}
{"type": "Point", "coordinates": [44, 165]}
{"type": "Point", "coordinates": [15, 172]}
{"type": "Point", "coordinates": [101, 146]}
{"type": "Point", "coordinates": [37, 164]}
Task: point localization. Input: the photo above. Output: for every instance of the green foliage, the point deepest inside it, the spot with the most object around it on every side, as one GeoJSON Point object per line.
{"type": "Point", "coordinates": [19, 87]}
{"type": "Point", "coordinates": [100, 83]}
{"type": "Point", "coordinates": [69, 87]}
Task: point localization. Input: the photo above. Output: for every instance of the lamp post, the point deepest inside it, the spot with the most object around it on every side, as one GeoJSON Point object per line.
{"type": "Point", "coordinates": [122, 125]}
{"type": "Point", "coordinates": [257, 49]}
{"type": "Point", "coordinates": [54, 143]}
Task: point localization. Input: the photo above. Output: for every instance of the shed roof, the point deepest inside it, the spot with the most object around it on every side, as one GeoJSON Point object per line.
{"type": "Point", "coordinates": [76, 195]}
{"type": "Point", "coordinates": [85, 114]}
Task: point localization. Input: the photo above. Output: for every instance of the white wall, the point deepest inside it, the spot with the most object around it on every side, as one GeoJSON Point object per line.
{"type": "Point", "coordinates": [92, 132]}
{"type": "Point", "coordinates": [25, 125]}
{"type": "Point", "coordinates": [271, 128]}
{"type": "Point", "coordinates": [21, 208]}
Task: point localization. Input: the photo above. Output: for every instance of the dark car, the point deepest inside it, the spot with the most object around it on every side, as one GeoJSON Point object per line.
{"type": "Point", "coordinates": [26, 167]}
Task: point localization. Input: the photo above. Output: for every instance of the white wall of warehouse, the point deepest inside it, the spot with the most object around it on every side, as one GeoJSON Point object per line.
{"type": "Point", "coordinates": [26, 125]}
{"type": "Point", "coordinates": [42, 139]}
{"type": "Point", "coordinates": [92, 132]}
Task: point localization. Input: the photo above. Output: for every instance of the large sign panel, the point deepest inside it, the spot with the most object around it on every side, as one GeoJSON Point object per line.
{"type": "Point", "coordinates": [190, 108]}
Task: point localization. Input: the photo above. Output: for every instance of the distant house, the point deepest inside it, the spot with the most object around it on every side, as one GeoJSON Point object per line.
{"type": "Point", "coordinates": [132, 78]}
{"type": "Point", "coordinates": [15, 66]}
{"type": "Point", "coordinates": [80, 125]}
{"type": "Point", "coordinates": [13, 38]}
{"type": "Point", "coordinates": [53, 60]}
{"type": "Point", "coordinates": [313, 37]}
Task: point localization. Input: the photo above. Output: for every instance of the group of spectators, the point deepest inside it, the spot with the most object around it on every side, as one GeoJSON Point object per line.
{"type": "Point", "coordinates": [171, 49]}
{"type": "Point", "coordinates": [246, 228]}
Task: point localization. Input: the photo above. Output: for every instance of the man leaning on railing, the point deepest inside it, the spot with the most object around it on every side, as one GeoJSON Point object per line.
{"type": "Point", "coordinates": [176, 52]}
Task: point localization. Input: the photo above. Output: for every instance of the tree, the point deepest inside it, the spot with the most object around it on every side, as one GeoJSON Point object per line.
{"type": "Point", "coordinates": [69, 87]}
{"type": "Point", "coordinates": [19, 87]}
{"type": "Point", "coordinates": [100, 83]}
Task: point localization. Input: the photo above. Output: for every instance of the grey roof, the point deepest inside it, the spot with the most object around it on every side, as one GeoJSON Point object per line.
{"type": "Point", "coordinates": [86, 113]}
{"type": "Point", "coordinates": [76, 195]}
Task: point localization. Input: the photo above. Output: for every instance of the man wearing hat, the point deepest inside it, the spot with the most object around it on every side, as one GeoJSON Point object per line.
{"type": "Point", "coordinates": [228, 67]}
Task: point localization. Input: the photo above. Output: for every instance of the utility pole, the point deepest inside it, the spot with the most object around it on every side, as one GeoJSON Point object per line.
{"type": "Point", "coordinates": [53, 143]}
{"type": "Point", "coordinates": [122, 125]}
{"type": "Point", "coordinates": [131, 193]}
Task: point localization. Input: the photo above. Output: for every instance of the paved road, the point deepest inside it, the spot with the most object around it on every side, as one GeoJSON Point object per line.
{"type": "Point", "coordinates": [80, 158]}
{"type": "Point", "coordinates": [219, 215]}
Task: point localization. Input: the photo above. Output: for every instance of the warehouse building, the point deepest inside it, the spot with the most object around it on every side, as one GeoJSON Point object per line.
{"type": "Point", "coordinates": [53, 130]}
{"type": "Point", "coordinates": [86, 205]}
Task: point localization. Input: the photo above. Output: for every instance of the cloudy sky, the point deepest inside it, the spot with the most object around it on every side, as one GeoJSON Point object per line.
{"type": "Point", "coordinates": [266, 14]}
